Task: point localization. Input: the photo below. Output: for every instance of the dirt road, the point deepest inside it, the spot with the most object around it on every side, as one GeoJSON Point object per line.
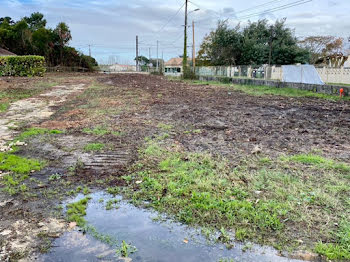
{"type": "Point", "coordinates": [35, 109]}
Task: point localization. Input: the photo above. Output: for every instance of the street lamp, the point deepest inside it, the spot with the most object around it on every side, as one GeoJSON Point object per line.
{"type": "Point", "coordinates": [195, 10]}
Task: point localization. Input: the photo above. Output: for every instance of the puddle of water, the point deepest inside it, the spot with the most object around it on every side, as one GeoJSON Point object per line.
{"type": "Point", "coordinates": [155, 241]}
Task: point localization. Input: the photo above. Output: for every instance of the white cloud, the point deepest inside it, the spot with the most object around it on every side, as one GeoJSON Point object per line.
{"type": "Point", "coordinates": [111, 26]}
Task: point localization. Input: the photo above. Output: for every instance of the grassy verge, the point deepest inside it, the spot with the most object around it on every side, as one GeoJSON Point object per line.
{"type": "Point", "coordinates": [17, 168]}
{"type": "Point", "coordinates": [10, 95]}
{"type": "Point", "coordinates": [338, 84]}
{"type": "Point", "coordinates": [290, 203]}
{"type": "Point", "coordinates": [266, 90]}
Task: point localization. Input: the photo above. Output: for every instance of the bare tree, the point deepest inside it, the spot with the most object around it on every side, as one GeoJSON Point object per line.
{"type": "Point", "coordinates": [321, 46]}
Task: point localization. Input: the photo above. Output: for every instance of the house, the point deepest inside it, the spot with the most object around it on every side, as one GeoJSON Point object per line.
{"type": "Point", "coordinates": [337, 60]}
{"type": "Point", "coordinates": [347, 62]}
{"type": "Point", "coordinates": [4, 52]}
{"type": "Point", "coordinates": [173, 67]}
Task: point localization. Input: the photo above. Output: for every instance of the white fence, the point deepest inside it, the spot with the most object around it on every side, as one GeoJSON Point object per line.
{"type": "Point", "coordinates": [328, 75]}
{"type": "Point", "coordinates": [335, 75]}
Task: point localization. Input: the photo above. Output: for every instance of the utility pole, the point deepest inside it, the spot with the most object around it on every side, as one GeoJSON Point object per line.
{"type": "Point", "coordinates": [149, 53]}
{"type": "Point", "coordinates": [193, 50]}
{"type": "Point", "coordinates": [157, 57]}
{"type": "Point", "coordinates": [270, 43]}
{"type": "Point", "coordinates": [184, 60]}
{"type": "Point", "coordinates": [89, 50]}
{"type": "Point", "coordinates": [137, 53]}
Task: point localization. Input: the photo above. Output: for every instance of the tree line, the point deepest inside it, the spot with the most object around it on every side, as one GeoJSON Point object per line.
{"type": "Point", "coordinates": [30, 36]}
{"type": "Point", "coordinates": [261, 43]}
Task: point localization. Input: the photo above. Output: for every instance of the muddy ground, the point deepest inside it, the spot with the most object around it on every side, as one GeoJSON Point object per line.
{"type": "Point", "coordinates": [131, 107]}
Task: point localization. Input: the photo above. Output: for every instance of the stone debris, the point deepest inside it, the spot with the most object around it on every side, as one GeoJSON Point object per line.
{"type": "Point", "coordinates": [5, 148]}
{"type": "Point", "coordinates": [72, 225]}
{"type": "Point", "coordinates": [21, 236]}
{"type": "Point", "coordinates": [304, 255]}
{"type": "Point", "coordinates": [124, 259]}
{"type": "Point", "coordinates": [256, 150]}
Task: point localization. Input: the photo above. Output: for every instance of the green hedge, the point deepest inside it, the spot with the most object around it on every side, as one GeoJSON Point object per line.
{"type": "Point", "coordinates": [22, 65]}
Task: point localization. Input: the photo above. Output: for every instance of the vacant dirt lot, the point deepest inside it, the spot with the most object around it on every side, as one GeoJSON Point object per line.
{"type": "Point", "coordinates": [109, 118]}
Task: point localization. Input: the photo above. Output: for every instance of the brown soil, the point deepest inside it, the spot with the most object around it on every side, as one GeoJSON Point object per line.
{"type": "Point", "coordinates": [232, 123]}
{"type": "Point", "coordinates": [213, 119]}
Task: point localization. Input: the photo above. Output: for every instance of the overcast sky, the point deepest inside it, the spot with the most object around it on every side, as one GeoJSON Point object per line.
{"type": "Point", "coordinates": [110, 26]}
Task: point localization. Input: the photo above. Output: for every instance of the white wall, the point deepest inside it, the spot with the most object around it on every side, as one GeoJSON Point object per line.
{"type": "Point", "coordinates": [328, 75]}
{"type": "Point", "coordinates": [335, 75]}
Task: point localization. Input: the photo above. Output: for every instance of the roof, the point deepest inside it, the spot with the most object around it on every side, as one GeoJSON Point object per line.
{"type": "Point", "coordinates": [4, 52]}
{"type": "Point", "coordinates": [174, 62]}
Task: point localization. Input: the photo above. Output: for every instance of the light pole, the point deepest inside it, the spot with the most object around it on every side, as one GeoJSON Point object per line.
{"type": "Point", "coordinates": [184, 60]}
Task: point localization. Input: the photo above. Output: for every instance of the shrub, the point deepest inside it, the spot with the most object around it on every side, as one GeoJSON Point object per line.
{"type": "Point", "coordinates": [22, 66]}
{"type": "Point", "coordinates": [225, 80]}
{"type": "Point", "coordinates": [188, 74]}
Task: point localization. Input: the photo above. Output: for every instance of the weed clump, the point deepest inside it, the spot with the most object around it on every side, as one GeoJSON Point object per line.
{"type": "Point", "coordinates": [76, 211]}
{"type": "Point", "coordinates": [34, 131]}
{"type": "Point", "coordinates": [18, 169]}
{"type": "Point", "coordinates": [94, 147]}
{"type": "Point", "coordinates": [341, 248]}
{"type": "Point", "coordinates": [113, 190]}
{"type": "Point", "coordinates": [19, 165]}
{"type": "Point", "coordinates": [318, 161]}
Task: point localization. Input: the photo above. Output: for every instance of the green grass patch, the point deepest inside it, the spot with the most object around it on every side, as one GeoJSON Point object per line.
{"type": "Point", "coordinates": [117, 133]}
{"type": "Point", "coordinates": [113, 190]}
{"type": "Point", "coordinates": [266, 200]}
{"type": "Point", "coordinates": [19, 165]}
{"type": "Point", "coordinates": [19, 169]}
{"type": "Point", "coordinates": [97, 131]}
{"type": "Point", "coordinates": [4, 107]}
{"type": "Point", "coordinates": [94, 147]}
{"type": "Point", "coordinates": [34, 131]}
{"type": "Point", "coordinates": [112, 204]}
{"type": "Point", "coordinates": [196, 189]}
{"type": "Point", "coordinates": [125, 249]}
{"type": "Point", "coordinates": [77, 210]}
{"type": "Point", "coordinates": [266, 90]}
{"type": "Point", "coordinates": [318, 161]}
{"type": "Point", "coordinates": [165, 126]}
{"type": "Point", "coordinates": [340, 250]}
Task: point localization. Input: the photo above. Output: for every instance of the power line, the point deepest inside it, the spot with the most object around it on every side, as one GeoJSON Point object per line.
{"type": "Point", "coordinates": [296, 3]}
{"type": "Point", "coordinates": [171, 18]}
{"type": "Point", "coordinates": [258, 6]}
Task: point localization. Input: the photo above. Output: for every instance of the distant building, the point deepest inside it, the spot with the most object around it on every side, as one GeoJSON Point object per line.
{"type": "Point", "coordinates": [347, 62]}
{"type": "Point", "coordinates": [334, 61]}
{"type": "Point", "coordinates": [122, 68]}
{"type": "Point", "coordinates": [4, 52]}
{"type": "Point", "coordinates": [173, 67]}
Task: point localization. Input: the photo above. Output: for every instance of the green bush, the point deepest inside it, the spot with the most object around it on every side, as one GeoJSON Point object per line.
{"type": "Point", "coordinates": [22, 65]}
